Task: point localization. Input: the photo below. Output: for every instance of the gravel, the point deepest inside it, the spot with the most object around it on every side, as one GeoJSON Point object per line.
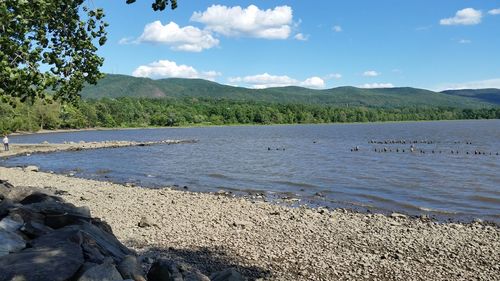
{"type": "Point", "coordinates": [273, 242]}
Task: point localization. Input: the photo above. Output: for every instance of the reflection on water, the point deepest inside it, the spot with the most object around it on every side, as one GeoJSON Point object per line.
{"type": "Point", "coordinates": [453, 169]}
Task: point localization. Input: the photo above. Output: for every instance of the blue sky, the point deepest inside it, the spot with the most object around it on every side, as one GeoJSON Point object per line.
{"type": "Point", "coordinates": [317, 44]}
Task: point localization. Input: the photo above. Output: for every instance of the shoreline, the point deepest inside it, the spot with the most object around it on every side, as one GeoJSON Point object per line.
{"type": "Point", "coordinates": [292, 243]}
{"type": "Point", "coordinates": [56, 131]}
{"type": "Point", "coordinates": [45, 147]}
{"type": "Point", "coordinates": [309, 201]}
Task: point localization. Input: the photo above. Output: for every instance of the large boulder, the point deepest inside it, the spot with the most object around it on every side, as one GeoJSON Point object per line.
{"type": "Point", "coordinates": [37, 197]}
{"type": "Point", "coordinates": [130, 268]}
{"type": "Point", "coordinates": [42, 263]}
{"type": "Point", "coordinates": [10, 242]}
{"type": "Point", "coordinates": [229, 274]}
{"type": "Point", "coordinates": [102, 272]}
{"type": "Point", "coordinates": [165, 270]}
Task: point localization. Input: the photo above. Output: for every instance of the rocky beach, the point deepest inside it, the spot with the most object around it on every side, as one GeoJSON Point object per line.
{"type": "Point", "coordinates": [213, 232]}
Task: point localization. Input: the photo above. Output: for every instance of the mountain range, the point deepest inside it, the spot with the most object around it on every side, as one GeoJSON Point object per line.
{"type": "Point", "coordinates": [113, 86]}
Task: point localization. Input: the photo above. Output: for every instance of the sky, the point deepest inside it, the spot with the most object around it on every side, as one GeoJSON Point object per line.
{"type": "Point", "coordinates": [436, 45]}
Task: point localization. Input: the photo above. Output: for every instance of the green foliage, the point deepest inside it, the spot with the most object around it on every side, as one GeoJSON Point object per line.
{"type": "Point", "coordinates": [113, 86]}
{"type": "Point", "coordinates": [159, 5]}
{"type": "Point", "coordinates": [141, 112]}
{"type": "Point", "coordinates": [485, 95]}
{"type": "Point", "coordinates": [58, 35]}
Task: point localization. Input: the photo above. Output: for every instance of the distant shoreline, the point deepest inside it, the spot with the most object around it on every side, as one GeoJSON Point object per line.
{"type": "Point", "coordinates": [232, 125]}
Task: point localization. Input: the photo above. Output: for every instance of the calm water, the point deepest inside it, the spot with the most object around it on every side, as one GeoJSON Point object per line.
{"type": "Point", "coordinates": [310, 159]}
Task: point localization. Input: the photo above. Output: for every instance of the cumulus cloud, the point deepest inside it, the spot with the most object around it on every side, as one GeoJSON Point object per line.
{"type": "Point", "coordinates": [266, 80]}
{"type": "Point", "coordinates": [188, 38]}
{"type": "Point", "coordinates": [337, 28]}
{"type": "Point", "coordinates": [464, 41]}
{"type": "Point", "coordinates": [250, 22]}
{"type": "Point", "coordinates": [377, 85]}
{"type": "Point", "coordinates": [494, 12]}
{"type": "Point", "coordinates": [468, 16]}
{"type": "Point", "coordinates": [371, 73]}
{"type": "Point", "coordinates": [301, 37]}
{"type": "Point", "coordinates": [481, 84]}
{"type": "Point", "coordinates": [170, 69]}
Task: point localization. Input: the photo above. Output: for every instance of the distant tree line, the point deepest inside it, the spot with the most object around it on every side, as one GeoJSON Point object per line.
{"type": "Point", "coordinates": [143, 112]}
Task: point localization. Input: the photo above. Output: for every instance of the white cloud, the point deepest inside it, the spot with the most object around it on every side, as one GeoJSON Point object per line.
{"type": "Point", "coordinates": [126, 41]}
{"type": "Point", "coordinates": [250, 22]}
{"type": "Point", "coordinates": [337, 28]}
{"type": "Point", "coordinates": [333, 76]}
{"type": "Point", "coordinates": [313, 82]}
{"type": "Point", "coordinates": [481, 84]}
{"type": "Point", "coordinates": [468, 16]}
{"type": "Point", "coordinates": [494, 12]}
{"type": "Point", "coordinates": [266, 80]}
{"type": "Point", "coordinates": [377, 85]}
{"type": "Point", "coordinates": [170, 69]}
{"type": "Point", "coordinates": [301, 37]}
{"type": "Point", "coordinates": [464, 41]}
{"type": "Point", "coordinates": [371, 73]}
{"type": "Point", "coordinates": [188, 38]}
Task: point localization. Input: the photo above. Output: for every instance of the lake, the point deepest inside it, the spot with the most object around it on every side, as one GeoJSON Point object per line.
{"type": "Point", "coordinates": [312, 162]}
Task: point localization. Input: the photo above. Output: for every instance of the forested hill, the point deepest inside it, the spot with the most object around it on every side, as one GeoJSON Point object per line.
{"type": "Point", "coordinates": [484, 95]}
{"type": "Point", "coordinates": [114, 86]}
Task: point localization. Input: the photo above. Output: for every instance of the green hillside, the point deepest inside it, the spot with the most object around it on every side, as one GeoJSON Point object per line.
{"type": "Point", "coordinates": [114, 86]}
{"type": "Point", "coordinates": [484, 95]}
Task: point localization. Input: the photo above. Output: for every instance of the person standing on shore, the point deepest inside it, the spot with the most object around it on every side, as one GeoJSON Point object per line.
{"type": "Point", "coordinates": [6, 143]}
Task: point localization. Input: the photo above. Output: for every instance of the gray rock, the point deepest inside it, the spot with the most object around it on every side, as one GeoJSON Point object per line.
{"type": "Point", "coordinates": [10, 242]}
{"type": "Point", "coordinates": [145, 222]}
{"type": "Point", "coordinates": [229, 274]}
{"type": "Point", "coordinates": [59, 214]}
{"type": "Point", "coordinates": [103, 272]}
{"type": "Point", "coordinates": [398, 216]}
{"type": "Point", "coordinates": [11, 223]}
{"type": "Point", "coordinates": [52, 263]}
{"type": "Point", "coordinates": [38, 197]}
{"type": "Point", "coordinates": [34, 230]}
{"type": "Point", "coordinates": [54, 239]}
{"type": "Point", "coordinates": [106, 243]}
{"type": "Point", "coordinates": [26, 214]}
{"type": "Point", "coordinates": [130, 268]}
{"type": "Point", "coordinates": [165, 270]}
{"type": "Point", "coordinates": [31, 168]}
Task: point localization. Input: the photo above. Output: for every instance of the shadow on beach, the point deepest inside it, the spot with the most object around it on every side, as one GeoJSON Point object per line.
{"type": "Point", "coordinates": [207, 260]}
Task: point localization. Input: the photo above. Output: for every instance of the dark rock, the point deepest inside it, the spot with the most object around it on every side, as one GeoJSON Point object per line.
{"type": "Point", "coordinates": [34, 230]}
{"type": "Point", "coordinates": [5, 206]}
{"type": "Point", "coordinates": [52, 263]}
{"type": "Point", "coordinates": [130, 268]}
{"type": "Point", "coordinates": [60, 214]}
{"type": "Point", "coordinates": [103, 272]}
{"type": "Point", "coordinates": [102, 225]}
{"type": "Point", "coordinates": [86, 266]}
{"type": "Point", "coordinates": [164, 270]}
{"type": "Point", "coordinates": [91, 252]}
{"type": "Point", "coordinates": [106, 243]}
{"type": "Point", "coordinates": [10, 242]}
{"type": "Point", "coordinates": [11, 223]}
{"type": "Point", "coordinates": [38, 197]}
{"type": "Point", "coordinates": [229, 274]}
{"type": "Point", "coordinates": [70, 234]}
{"type": "Point", "coordinates": [59, 220]}
{"type": "Point", "coordinates": [27, 215]}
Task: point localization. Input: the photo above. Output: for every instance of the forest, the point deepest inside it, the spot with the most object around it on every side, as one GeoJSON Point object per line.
{"type": "Point", "coordinates": [147, 112]}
